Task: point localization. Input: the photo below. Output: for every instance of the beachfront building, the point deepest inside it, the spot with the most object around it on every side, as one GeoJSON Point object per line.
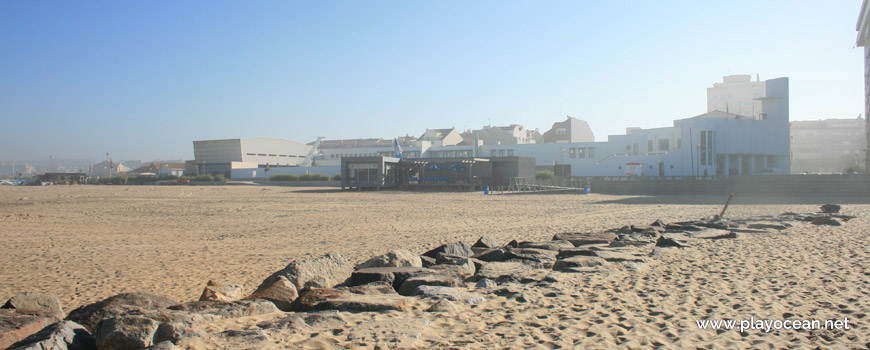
{"type": "Point", "coordinates": [501, 135]}
{"type": "Point", "coordinates": [222, 156]}
{"type": "Point", "coordinates": [863, 28]}
{"type": "Point", "coordinates": [736, 94]}
{"type": "Point", "coordinates": [570, 130]}
{"type": "Point", "coordinates": [714, 143]}
{"type": "Point", "coordinates": [827, 146]}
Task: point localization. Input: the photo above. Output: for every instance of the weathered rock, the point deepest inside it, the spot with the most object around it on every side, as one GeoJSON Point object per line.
{"type": "Point", "coordinates": [495, 254]}
{"type": "Point", "coordinates": [485, 242]}
{"type": "Point", "coordinates": [164, 345]}
{"type": "Point", "coordinates": [486, 283]}
{"type": "Point", "coordinates": [667, 242]}
{"type": "Point", "coordinates": [830, 208]}
{"type": "Point", "coordinates": [621, 256]}
{"type": "Point", "coordinates": [224, 309]}
{"type": "Point", "coordinates": [409, 287]}
{"type": "Point", "coordinates": [281, 292]}
{"type": "Point", "coordinates": [35, 301]}
{"type": "Point", "coordinates": [513, 244]}
{"type": "Point", "coordinates": [344, 300]}
{"type": "Point", "coordinates": [825, 220]}
{"type": "Point", "coordinates": [222, 291]}
{"type": "Point", "coordinates": [536, 251]}
{"type": "Point", "coordinates": [89, 315]}
{"type": "Point", "coordinates": [503, 271]}
{"type": "Point", "coordinates": [762, 226]}
{"type": "Point", "coordinates": [581, 239]}
{"type": "Point", "coordinates": [64, 335]}
{"type": "Point", "coordinates": [567, 253]}
{"type": "Point", "coordinates": [427, 261]}
{"type": "Point", "coordinates": [460, 268]}
{"type": "Point", "coordinates": [457, 248]}
{"type": "Point", "coordinates": [659, 225]}
{"type": "Point", "coordinates": [393, 275]}
{"type": "Point", "coordinates": [395, 258]}
{"type": "Point", "coordinates": [374, 288]}
{"type": "Point", "coordinates": [543, 261]}
{"type": "Point", "coordinates": [718, 234]}
{"type": "Point", "coordinates": [578, 261]}
{"type": "Point", "coordinates": [554, 245]}
{"type": "Point", "coordinates": [450, 293]}
{"type": "Point", "coordinates": [478, 250]}
{"type": "Point", "coordinates": [174, 325]}
{"type": "Point", "coordinates": [16, 325]}
{"type": "Point", "coordinates": [442, 305]}
{"type": "Point", "coordinates": [333, 268]}
{"type": "Point", "coordinates": [289, 322]}
{"type": "Point", "coordinates": [126, 333]}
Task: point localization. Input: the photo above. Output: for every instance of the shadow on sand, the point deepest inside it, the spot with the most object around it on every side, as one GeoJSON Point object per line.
{"type": "Point", "coordinates": [738, 199]}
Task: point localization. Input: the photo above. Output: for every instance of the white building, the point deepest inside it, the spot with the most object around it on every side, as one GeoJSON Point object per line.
{"type": "Point", "coordinates": [863, 28]}
{"type": "Point", "coordinates": [736, 94]}
{"type": "Point", "coordinates": [827, 146]}
{"type": "Point", "coordinates": [221, 156]}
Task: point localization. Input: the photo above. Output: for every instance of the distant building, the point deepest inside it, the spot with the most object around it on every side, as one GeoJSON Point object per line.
{"type": "Point", "coordinates": [221, 156]}
{"type": "Point", "coordinates": [570, 130]}
{"type": "Point", "coordinates": [736, 94]}
{"type": "Point", "coordinates": [442, 137]}
{"type": "Point", "coordinates": [501, 135]}
{"type": "Point", "coordinates": [103, 169]}
{"type": "Point", "coordinates": [827, 146]}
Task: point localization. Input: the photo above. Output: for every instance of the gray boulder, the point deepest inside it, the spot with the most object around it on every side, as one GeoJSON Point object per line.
{"type": "Point", "coordinates": [486, 283]}
{"type": "Point", "coordinates": [89, 315]}
{"type": "Point", "coordinates": [35, 301]}
{"type": "Point", "coordinates": [222, 291]}
{"type": "Point", "coordinates": [554, 245]}
{"type": "Point", "coordinates": [830, 208]}
{"type": "Point", "coordinates": [442, 305]}
{"type": "Point", "coordinates": [281, 292]}
{"type": "Point", "coordinates": [393, 275]}
{"type": "Point", "coordinates": [825, 220]}
{"type": "Point", "coordinates": [409, 287]}
{"type": "Point", "coordinates": [64, 335]}
{"type": "Point", "coordinates": [581, 239]}
{"type": "Point", "coordinates": [334, 269]}
{"type": "Point", "coordinates": [345, 300]}
{"type": "Point", "coordinates": [578, 261]}
{"type": "Point", "coordinates": [485, 242]}
{"type": "Point", "coordinates": [395, 258]}
{"type": "Point", "coordinates": [126, 333]}
{"type": "Point", "coordinates": [457, 248]}
{"type": "Point", "coordinates": [16, 325]}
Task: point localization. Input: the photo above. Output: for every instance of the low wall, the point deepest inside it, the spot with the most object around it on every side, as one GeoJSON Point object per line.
{"type": "Point", "coordinates": [783, 185]}
{"type": "Point", "coordinates": [300, 183]}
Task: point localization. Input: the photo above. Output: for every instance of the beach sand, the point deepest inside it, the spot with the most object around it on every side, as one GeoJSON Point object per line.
{"type": "Point", "coordinates": [86, 243]}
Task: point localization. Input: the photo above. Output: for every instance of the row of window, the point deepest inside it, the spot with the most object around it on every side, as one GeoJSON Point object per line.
{"type": "Point", "coordinates": [272, 155]}
{"type": "Point", "coordinates": [663, 146]}
{"type": "Point", "coordinates": [581, 152]}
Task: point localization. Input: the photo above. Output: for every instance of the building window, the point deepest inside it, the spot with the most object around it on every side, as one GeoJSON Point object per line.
{"type": "Point", "coordinates": [706, 144]}
{"type": "Point", "coordinates": [591, 152]}
{"type": "Point", "coordinates": [510, 153]}
{"type": "Point", "coordinates": [501, 153]}
{"type": "Point", "coordinates": [634, 149]}
{"type": "Point", "coordinates": [664, 145]}
{"type": "Point", "coordinates": [649, 146]}
{"type": "Point", "coordinates": [627, 148]}
{"type": "Point", "coordinates": [572, 152]}
{"type": "Point", "coordinates": [581, 152]}
{"type": "Point", "coordinates": [560, 131]}
{"type": "Point", "coordinates": [492, 153]}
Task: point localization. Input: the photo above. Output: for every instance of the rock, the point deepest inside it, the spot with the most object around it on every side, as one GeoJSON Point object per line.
{"type": "Point", "coordinates": [344, 300]}
{"type": "Point", "coordinates": [89, 315]}
{"type": "Point", "coordinates": [374, 288]}
{"type": "Point", "coordinates": [513, 244]}
{"type": "Point", "coordinates": [825, 220]}
{"type": "Point", "coordinates": [395, 258]}
{"type": "Point", "coordinates": [449, 293]}
{"type": "Point", "coordinates": [578, 261]}
{"type": "Point", "coordinates": [16, 325]}
{"type": "Point", "coordinates": [485, 242]}
{"type": "Point", "coordinates": [222, 291]}
{"type": "Point", "coordinates": [620, 256]}
{"type": "Point", "coordinates": [427, 261]}
{"type": "Point", "coordinates": [126, 333]}
{"type": "Point", "coordinates": [409, 287]}
{"type": "Point", "coordinates": [830, 208]}
{"type": "Point", "coordinates": [495, 254]}
{"type": "Point", "coordinates": [392, 275]}
{"type": "Point", "coordinates": [768, 226]}
{"type": "Point", "coordinates": [333, 268]}
{"type": "Point", "coordinates": [442, 305]}
{"type": "Point", "coordinates": [667, 242]}
{"type": "Point", "coordinates": [503, 271]}
{"type": "Point", "coordinates": [227, 309]}
{"type": "Point", "coordinates": [567, 253]}
{"type": "Point", "coordinates": [659, 225]}
{"type": "Point", "coordinates": [536, 251]}
{"type": "Point", "coordinates": [289, 322]}
{"type": "Point", "coordinates": [35, 301]}
{"type": "Point", "coordinates": [543, 261]}
{"type": "Point", "coordinates": [164, 345]}
{"type": "Point", "coordinates": [721, 235]}
{"type": "Point", "coordinates": [486, 283]}
{"type": "Point", "coordinates": [281, 292]}
{"type": "Point", "coordinates": [460, 268]}
{"type": "Point", "coordinates": [581, 239]}
{"type": "Point", "coordinates": [63, 335]}
{"type": "Point", "coordinates": [554, 245]}
{"type": "Point", "coordinates": [457, 248]}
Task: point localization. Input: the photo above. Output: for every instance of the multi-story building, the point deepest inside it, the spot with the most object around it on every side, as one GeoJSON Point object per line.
{"type": "Point", "coordinates": [736, 94]}
{"type": "Point", "coordinates": [570, 130]}
{"type": "Point", "coordinates": [502, 135]}
{"type": "Point", "coordinates": [863, 28]}
{"type": "Point", "coordinates": [221, 156]}
{"type": "Point", "coordinates": [827, 146]}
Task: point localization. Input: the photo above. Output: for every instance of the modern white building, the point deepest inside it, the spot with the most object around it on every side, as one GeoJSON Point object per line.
{"type": "Point", "coordinates": [863, 28]}
{"type": "Point", "coordinates": [736, 94]}
{"type": "Point", "coordinates": [221, 156]}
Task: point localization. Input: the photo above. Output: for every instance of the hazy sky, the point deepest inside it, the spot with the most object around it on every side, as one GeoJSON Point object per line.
{"type": "Point", "coordinates": [142, 79]}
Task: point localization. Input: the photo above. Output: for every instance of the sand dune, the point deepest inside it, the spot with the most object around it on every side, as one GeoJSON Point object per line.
{"type": "Point", "coordinates": [86, 243]}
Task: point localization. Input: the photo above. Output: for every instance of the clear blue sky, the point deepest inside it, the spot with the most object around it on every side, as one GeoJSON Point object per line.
{"type": "Point", "coordinates": [142, 79]}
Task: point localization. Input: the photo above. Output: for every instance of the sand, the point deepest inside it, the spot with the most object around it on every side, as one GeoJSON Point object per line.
{"type": "Point", "coordinates": [86, 243]}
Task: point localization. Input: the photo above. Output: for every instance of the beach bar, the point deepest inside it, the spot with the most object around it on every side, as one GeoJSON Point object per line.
{"type": "Point", "coordinates": [433, 174]}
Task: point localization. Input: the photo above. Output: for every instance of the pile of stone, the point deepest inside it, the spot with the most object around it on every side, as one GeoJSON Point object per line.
{"type": "Point", "coordinates": [305, 288]}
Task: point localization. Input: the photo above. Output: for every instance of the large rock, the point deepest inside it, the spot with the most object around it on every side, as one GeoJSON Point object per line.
{"type": "Point", "coordinates": [126, 333]}
{"type": "Point", "coordinates": [503, 271]}
{"type": "Point", "coordinates": [395, 258]}
{"type": "Point", "coordinates": [281, 292]}
{"type": "Point", "coordinates": [393, 275]}
{"type": "Point", "coordinates": [224, 309]}
{"type": "Point", "coordinates": [457, 248]}
{"type": "Point", "coordinates": [621, 256]}
{"type": "Point", "coordinates": [554, 245]}
{"type": "Point", "coordinates": [64, 335]}
{"type": "Point", "coordinates": [668, 242]}
{"type": "Point", "coordinates": [333, 269]}
{"type": "Point", "coordinates": [344, 300]}
{"type": "Point", "coordinates": [16, 325]}
{"type": "Point", "coordinates": [825, 220]}
{"type": "Point", "coordinates": [830, 208]}
{"type": "Point", "coordinates": [495, 254]}
{"type": "Point", "coordinates": [89, 315]}
{"type": "Point", "coordinates": [35, 301]}
{"type": "Point", "coordinates": [578, 261]}
{"type": "Point", "coordinates": [409, 287]}
{"type": "Point", "coordinates": [460, 269]}
{"type": "Point", "coordinates": [580, 239]}
{"type": "Point", "coordinates": [222, 291]}
{"type": "Point", "coordinates": [567, 253]}
{"type": "Point", "coordinates": [449, 293]}
{"type": "Point", "coordinates": [485, 242]}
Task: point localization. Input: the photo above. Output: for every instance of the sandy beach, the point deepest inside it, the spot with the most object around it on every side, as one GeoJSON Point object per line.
{"type": "Point", "coordinates": [86, 243]}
